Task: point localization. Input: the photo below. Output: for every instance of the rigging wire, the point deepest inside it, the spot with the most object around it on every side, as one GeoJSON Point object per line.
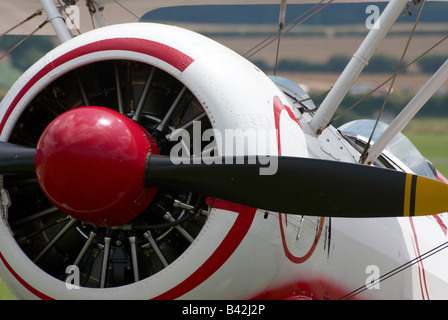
{"type": "Point", "coordinates": [92, 11]}
{"type": "Point", "coordinates": [21, 41]}
{"type": "Point", "coordinates": [132, 13]}
{"type": "Point", "coordinates": [397, 270]}
{"type": "Point", "coordinates": [35, 14]}
{"type": "Point", "coordinates": [291, 25]}
{"type": "Point", "coordinates": [383, 83]}
{"type": "Point", "coordinates": [409, 12]}
{"type": "Point", "coordinates": [281, 24]}
{"type": "Point", "coordinates": [394, 77]}
{"type": "Point", "coordinates": [38, 13]}
{"type": "Point", "coordinates": [276, 54]}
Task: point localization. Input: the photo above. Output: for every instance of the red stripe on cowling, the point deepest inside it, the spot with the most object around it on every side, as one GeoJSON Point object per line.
{"type": "Point", "coordinates": [30, 288]}
{"type": "Point", "coordinates": [222, 253]}
{"type": "Point", "coordinates": [172, 56]}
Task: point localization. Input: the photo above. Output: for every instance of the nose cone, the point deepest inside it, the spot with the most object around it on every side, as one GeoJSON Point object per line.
{"type": "Point", "coordinates": [90, 163]}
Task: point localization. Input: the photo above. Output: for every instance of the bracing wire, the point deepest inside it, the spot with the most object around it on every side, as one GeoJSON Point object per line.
{"type": "Point", "coordinates": [395, 271]}
{"type": "Point", "coordinates": [35, 14]}
{"type": "Point", "coordinates": [398, 71]}
{"type": "Point", "coordinates": [277, 53]}
{"type": "Point", "coordinates": [384, 82]}
{"type": "Point", "coordinates": [38, 13]}
{"type": "Point", "coordinates": [391, 77]}
{"type": "Point", "coordinates": [291, 25]}
{"type": "Point", "coordinates": [21, 41]}
{"type": "Point", "coordinates": [121, 5]}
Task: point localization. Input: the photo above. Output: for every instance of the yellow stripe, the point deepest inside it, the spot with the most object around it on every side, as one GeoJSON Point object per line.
{"type": "Point", "coordinates": [407, 195]}
{"type": "Point", "coordinates": [431, 197]}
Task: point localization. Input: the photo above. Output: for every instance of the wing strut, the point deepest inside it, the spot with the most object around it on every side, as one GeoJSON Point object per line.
{"type": "Point", "coordinates": [422, 96]}
{"type": "Point", "coordinates": [359, 60]}
{"type": "Point", "coordinates": [56, 20]}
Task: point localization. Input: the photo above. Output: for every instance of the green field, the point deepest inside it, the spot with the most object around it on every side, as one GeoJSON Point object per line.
{"type": "Point", "coordinates": [430, 136]}
{"type": "Point", "coordinates": [4, 292]}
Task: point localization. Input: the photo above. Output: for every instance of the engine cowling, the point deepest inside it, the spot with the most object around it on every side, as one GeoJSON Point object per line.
{"type": "Point", "coordinates": [167, 80]}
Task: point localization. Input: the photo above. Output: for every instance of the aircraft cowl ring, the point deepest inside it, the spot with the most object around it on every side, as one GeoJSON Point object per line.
{"type": "Point", "coordinates": [90, 163]}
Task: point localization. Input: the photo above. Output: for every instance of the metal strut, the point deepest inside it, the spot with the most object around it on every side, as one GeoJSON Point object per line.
{"type": "Point", "coordinates": [422, 96]}
{"type": "Point", "coordinates": [57, 20]}
{"type": "Point", "coordinates": [352, 71]}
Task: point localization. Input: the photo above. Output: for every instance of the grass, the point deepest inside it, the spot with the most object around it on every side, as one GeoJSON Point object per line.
{"type": "Point", "coordinates": [8, 75]}
{"type": "Point", "coordinates": [430, 136]}
{"type": "Point", "coordinates": [4, 292]}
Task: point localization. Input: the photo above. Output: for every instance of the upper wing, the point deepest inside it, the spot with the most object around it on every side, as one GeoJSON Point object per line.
{"type": "Point", "coordinates": [115, 11]}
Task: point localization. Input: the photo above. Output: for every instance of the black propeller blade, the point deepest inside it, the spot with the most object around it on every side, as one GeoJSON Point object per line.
{"type": "Point", "coordinates": [299, 185]}
{"type": "Point", "coordinates": [306, 186]}
{"type": "Point", "coordinates": [16, 159]}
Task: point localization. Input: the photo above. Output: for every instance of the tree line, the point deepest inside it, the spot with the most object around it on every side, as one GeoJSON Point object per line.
{"type": "Point", "coordinates": [381, 63]}
{"type": "Point", "coordinates": [370, 107]}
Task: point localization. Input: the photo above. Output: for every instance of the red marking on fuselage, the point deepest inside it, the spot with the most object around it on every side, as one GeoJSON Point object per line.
{"type": "Point", "coordinates": [306, 256]}
{"type": "Point", "coordinates": [421, 268]}
{"type": "Point", "coordinates": [313, 289]}
{"type": "Point", "coordinates": [278, 109]}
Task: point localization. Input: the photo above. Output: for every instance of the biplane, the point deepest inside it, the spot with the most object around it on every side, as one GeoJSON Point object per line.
{"type": "Point", "coordinates": [146, 161]}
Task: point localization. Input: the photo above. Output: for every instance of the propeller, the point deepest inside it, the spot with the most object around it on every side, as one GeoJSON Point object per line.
{"type": "Point", "coordinates": [305, 186]}
{"type": "Point", "coordinates": [16, 159]}
{"type": "Point", "coordinates": [102, 168]}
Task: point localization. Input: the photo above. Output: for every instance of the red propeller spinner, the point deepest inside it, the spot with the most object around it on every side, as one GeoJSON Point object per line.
{"type": "Point", "coordinates": [90, 163]}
